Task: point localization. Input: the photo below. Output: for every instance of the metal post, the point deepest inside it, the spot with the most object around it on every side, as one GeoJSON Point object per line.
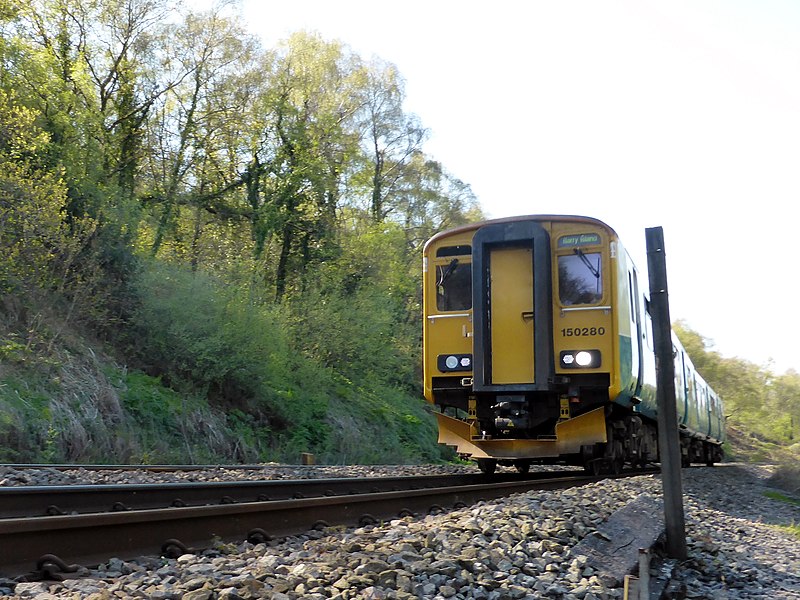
{"type": "Point", "coordinates": [669, 447]}
{"type": "Point", "coordinates": [644, 574]}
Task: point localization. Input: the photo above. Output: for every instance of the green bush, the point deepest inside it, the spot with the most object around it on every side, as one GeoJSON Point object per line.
{"type": "Point", "coordinates": [24, 418]}
{"type": "Point", "coordinates": [321, 375]}
{"type": "Point", "coordinates": [217, 378]}
{"type": "Point", "coordinates": [197, 333]}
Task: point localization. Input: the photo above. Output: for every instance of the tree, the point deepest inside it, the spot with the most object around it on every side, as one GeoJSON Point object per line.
{"type": "Point", "coordinates": [37, 248]}
{"type": "Point", "coordinates": [428, 199]}
{"type": "Point", "coordinates": [308, 145]}
{"type": "Point", "coordinates": [194, 159]}
{"type": "Point", "coordinates": [391, 137]}
{"type": "Point", "coordinates": [699, 348]}
{"type": "Point", "coordinates": [785, 400]}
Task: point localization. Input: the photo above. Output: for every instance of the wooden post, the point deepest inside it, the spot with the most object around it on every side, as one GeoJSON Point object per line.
{"type": "Point", "coordinates": [669, 447]}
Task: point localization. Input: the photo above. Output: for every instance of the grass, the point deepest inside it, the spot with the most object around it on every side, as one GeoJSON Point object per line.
{"type": "Point", "coordinates": [782, 498]}
{"type": "Point", "coordinates": [794, 528]}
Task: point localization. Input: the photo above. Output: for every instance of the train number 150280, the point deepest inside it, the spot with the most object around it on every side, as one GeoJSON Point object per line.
{"type": "Point", "coordinates": [583, 331]}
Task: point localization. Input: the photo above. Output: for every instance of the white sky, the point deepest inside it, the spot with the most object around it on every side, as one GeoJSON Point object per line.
{"type": "Point", "coordinates": [682, 114]}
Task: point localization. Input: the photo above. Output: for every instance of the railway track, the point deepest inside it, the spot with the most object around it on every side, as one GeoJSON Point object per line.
{"type": "Point", "coordinates": [44, 530]}
{"type": "Point", "coordinates": [149, 468]}
{"type": "Point", "coordinates": [37, 501]}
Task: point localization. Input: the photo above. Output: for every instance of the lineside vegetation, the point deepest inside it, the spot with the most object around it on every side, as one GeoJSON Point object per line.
{"type": "Point", "coordinates": [210, 250]}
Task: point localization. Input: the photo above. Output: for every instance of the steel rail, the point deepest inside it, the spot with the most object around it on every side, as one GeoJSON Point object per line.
{"type": "Point", "coordinates": [32, 501]}
{"type": "Point", "coordinates": [90, 539]}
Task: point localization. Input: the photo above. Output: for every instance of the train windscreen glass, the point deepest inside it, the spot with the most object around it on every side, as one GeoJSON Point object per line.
{"type": "Point", "coordinates": [454, 286]}
{"type": "Point", "coordinates": [580, 278]}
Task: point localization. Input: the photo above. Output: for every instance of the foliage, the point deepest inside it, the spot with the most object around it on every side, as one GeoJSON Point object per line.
{"type": "Point", "coordinates": [782, 498]}
{"type": "Point", "coordinates": [22, 413]}
{"type": "Point", "coordinates": [206, 340]}
{"type": "Point", "coordinates": [787, 475]}
{"type": "Point", "coordinates": [192, 328]}
{"type": "Point", "coordinates": [169, 427]}
{"type": "Point", "coordinates": [354, 315]}
{"type": "Point", "coordinates": [35, 243]}
{"type": "Point", "coordinates": [240, 225]}
{"type": "Point", "coordinates": [793, 528]}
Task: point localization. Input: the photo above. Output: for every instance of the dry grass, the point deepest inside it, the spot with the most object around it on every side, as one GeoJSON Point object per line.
{"type": "Point", "coordinates": [787, 477]}
{"type": "Point", "coordinates": [745, 447]}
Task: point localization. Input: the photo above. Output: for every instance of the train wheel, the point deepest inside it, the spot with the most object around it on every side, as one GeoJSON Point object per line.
{"type": "Point", "coordinates": [710, 454]}
{"type": "Point", "coordinates": [590, 458]}
{"type": "Point", "coordinates": [487, 465]}
{"type": "Point", "coordinates": [615, 457]}
{"type": "Point", "coordinates": [522, 466]}
{"type": "Point", "coordinates": [594, 467]}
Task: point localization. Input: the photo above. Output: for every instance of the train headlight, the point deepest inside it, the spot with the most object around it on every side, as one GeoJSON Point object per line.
{"type": "Point", "coordinates": [454, 362]}
{"type": "Point", "coordinates": [581, 359]}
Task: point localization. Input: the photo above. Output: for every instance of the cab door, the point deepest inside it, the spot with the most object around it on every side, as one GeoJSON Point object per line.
{"type": "Point", "coordinates": [511, 320]}
{"type": "Point", "coordinates": [511, 298]}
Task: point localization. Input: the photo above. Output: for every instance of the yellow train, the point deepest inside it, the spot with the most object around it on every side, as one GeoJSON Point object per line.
{"type": "Point", "coordinates": [538, 347]}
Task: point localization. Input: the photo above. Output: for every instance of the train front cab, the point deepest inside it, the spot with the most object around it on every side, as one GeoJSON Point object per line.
{"type": "Point", "coordinates": [523, 368]}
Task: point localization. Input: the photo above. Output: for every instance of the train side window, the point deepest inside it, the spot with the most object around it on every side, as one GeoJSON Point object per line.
{"type": "Point", "coordinates": [630, 295]}
{"type": "Point", "coordinates": [580, 278]}
{"type": "Point", "coordinates": [649, 326]}
{"type": "Point", "coordinates": [454, 286]}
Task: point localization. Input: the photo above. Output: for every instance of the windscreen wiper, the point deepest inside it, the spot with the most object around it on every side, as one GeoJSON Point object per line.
{"type": "Point", "coordinates": [594, 270]}
{"type": "Point", "coordinates": [447, 272]}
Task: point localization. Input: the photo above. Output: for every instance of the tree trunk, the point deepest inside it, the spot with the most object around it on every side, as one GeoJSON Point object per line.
{"type": "Point", "coordinates": [283, 262]}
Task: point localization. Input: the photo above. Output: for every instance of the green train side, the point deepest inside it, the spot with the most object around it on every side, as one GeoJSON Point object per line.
{"type": "Point", "coordinates": [538, 347]}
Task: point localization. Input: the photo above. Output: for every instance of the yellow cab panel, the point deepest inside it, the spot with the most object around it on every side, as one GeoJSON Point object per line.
{"type": "Point", "coordinates": [583, 325]}
{"type": "Point", "coordinates": [447, 298]}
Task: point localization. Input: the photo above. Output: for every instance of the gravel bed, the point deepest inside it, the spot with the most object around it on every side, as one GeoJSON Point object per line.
{"type": "Point", "coordinates": [516, 547]}
{"type": "Point", "coordinates": [9, 476]}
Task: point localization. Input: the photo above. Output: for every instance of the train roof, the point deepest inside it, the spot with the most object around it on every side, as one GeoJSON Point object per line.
{"type": "Point", "coordinates": [473, 226]}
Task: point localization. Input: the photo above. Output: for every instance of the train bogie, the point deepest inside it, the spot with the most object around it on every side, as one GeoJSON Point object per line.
{"type": "Point", "coordinates": [538, 347]}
